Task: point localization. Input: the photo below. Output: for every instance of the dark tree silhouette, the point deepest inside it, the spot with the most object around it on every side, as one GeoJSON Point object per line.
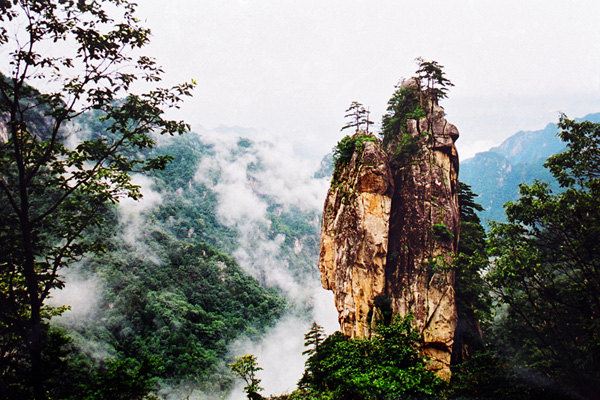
{"type": "Point", "coordinates": [313, 339]}
{"type": "Point", "coordinates": [358, 116]}
{"type": "Point", "coordinates": [52, 191]}
{"type": "Point", "coordinates": [432, 79]}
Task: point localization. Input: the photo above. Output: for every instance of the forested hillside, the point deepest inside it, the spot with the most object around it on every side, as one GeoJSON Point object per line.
{"type": "Point", "coordinates": [171, 289]}
{"type": "Point", "coordinates": [162, 298]}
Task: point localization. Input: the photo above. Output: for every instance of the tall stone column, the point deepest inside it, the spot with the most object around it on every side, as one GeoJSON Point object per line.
{"type": "Point", "coordinates": [390, 232]}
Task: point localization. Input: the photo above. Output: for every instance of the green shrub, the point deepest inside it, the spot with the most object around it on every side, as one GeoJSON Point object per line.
{"type": "Point", "coordinates": [417, 113]}
{"type": "Point", "coordinates": [407, 146]}
{"type": "Point", "coordinates": [402, 106]}
{"type": "Point", "coordinates": [385, 366]}
{"type": "Point", "coordinates": [442, 233]}
{"type": "Point", "coordinates": [343, 151]}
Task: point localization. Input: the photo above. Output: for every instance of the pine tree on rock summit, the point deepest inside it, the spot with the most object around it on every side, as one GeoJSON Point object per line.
{"type": "Point", "coordinates": [358, 116]}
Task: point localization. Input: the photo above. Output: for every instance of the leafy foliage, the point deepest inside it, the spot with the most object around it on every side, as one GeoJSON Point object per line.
{"type": "Point", "coordinates": [541, 342]}
{"type": "Point", "coordinates": [546, 269]}
{"type": "Point", "coordinates": [246, 368]}
{"type": "Point", "coordinates": [441, 232]}
{"type": "Point", "coordinates": [402, 106]}
{"type": "Point", "coordinates": [580, 163]}
{"type": "Point", "coordinates": [55, 189]}
{"type": "Point", "coordinates": [345, 149]}
{"type": "Point", "coordinates": [385, 366]}
{"type": "Point", "coordinates": [406, 147]}
{"type": "Point", "coordinates": [72, 374]}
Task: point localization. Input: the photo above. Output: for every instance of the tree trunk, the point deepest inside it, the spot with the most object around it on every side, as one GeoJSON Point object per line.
{"type": "Point", "coordinates": [34, 339]}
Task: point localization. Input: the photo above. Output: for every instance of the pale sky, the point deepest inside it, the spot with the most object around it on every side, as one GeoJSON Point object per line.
{"type": "Point", "coordinates": [291, 68]}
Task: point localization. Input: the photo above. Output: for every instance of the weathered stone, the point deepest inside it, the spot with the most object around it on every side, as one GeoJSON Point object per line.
{"type": "Point", "coordinates": [390, 228]}
{"type": "Point", "coordinates": [424, 229]}
{"type": "Point", "coordinates": [354, 237]}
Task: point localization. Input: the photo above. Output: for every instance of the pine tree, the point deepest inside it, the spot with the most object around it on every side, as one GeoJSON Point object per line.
{"type": "Point", "coordinates": [313, 339]}
{"type": "Point", "coordinates": [367, 121]}
{"type": "Point", "coordinates": [473, 301]}
{"type": "Point", "coordinates": [432, 79]}
{"type": "Point", "coordinates": [358, 116]}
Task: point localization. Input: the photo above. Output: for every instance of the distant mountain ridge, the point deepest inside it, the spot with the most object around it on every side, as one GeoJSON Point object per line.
{"type": "Point", "coordinates": [495, 174]}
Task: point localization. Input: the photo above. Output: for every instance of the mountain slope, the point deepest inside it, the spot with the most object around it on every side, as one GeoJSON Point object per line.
{"type": "Point", "coordinates": [184, 276]}
{"type": "Point", "coordinates": [495, 174]}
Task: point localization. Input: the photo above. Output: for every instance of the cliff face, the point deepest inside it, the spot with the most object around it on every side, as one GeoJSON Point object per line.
{"type": "Point", "coordinates": [390, 232]}
{"type": "Point", "coordinates": [354, 237]}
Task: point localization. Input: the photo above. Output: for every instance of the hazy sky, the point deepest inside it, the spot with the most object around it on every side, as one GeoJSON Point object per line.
{"type": "Point", "coordinates": [290, 68]}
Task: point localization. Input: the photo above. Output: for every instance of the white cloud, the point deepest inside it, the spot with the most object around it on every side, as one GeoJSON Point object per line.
{"type": "Point", "coordinates": [293, 67]}
{"type": "Point", "coordinates": [246, 181]}
{"type": "Point", "coordinates": [279, 352]}
{"type": "Point", "coordinates": [81, 293]}
{"type": "Point", "coordinates": [132, 215]}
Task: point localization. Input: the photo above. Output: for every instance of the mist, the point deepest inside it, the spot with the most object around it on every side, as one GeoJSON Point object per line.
{"type": "Point", "coordinates": [254, 180]}
{"type": "Point", "coordinates": [81, 292]}
{"type": "Point", "coordinates": [132, 212]}
{"type": "Point", "coordinates": [247, 180]}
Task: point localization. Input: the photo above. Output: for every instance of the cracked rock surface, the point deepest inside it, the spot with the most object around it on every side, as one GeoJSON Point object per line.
{"type": "Point", "coordinates": [390, 233]}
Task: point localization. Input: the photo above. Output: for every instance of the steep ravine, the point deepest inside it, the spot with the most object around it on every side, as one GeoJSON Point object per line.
{"type": "Point", "coordinates": [390, 231]}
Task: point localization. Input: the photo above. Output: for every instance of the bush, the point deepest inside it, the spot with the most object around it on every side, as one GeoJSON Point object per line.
{"type": "Point", "coordinates": [385, 366]}
{"type": "Point", "coordinates": [442, 233]}
{"type": "Point", "coordinates": [343, 151]}
{"type": "Point", "coordinates": [407, 146]}
{"type": "Point", "coordinates": [402, 106]}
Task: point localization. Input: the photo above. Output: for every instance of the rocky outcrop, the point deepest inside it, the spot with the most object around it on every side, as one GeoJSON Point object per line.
{"type": "Point", "coordinates": [424, 229]}
{"type": "Point", "coordinates": [354, 236]}
{"type": "Point", "coordinates": [390, 233]}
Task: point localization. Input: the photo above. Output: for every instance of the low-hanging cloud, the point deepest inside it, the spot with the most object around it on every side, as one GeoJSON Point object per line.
{"type": "Point", "coordinates": [81, 293]}
{"type": "Point", "coordinates": [279, 352]}
{"type": "Point", "coordinates": [248, 178]}
{"type": "Point", "coordinates": [132, 217]}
